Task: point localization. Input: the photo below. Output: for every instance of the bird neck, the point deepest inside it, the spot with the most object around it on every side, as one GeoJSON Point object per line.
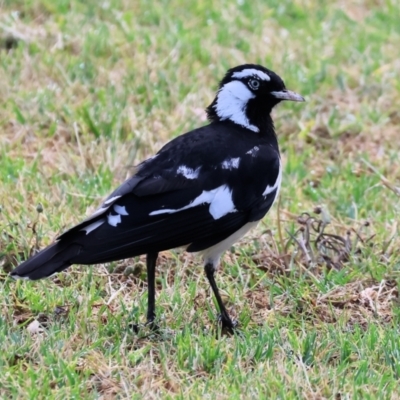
{"type": "Point", "coordinates": [249, 118]}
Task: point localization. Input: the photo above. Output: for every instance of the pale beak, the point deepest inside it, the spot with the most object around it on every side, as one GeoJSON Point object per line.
{"type": "Point", "coordinates": [287, 95]}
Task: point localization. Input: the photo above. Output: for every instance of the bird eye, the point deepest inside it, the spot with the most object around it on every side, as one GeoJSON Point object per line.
{"type": "Point", "coordinates": [254, 84]}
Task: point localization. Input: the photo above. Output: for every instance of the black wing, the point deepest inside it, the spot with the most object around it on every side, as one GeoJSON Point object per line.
{"type": "Point", "coordinates": [198, 190]}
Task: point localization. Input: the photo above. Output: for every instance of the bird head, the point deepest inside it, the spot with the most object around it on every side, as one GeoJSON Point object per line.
{"type": "Point", "coordinates": [246, 96]}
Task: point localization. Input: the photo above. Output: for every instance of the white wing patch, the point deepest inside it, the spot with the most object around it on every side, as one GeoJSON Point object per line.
{"type": "Point", "coordinates": [222, 203]}
{"type": "Point", "coordinates": [109, 201]}
{"type": "Point", "coordinates": [113, 220]}
{"type": "Point", "coordinates": [277, 185]}
{"type": "Point", "coordinates": [253, 152]}
{"type": "Point", "coordinates": [220, 200]}
{"type": "Point", "coordinates": [188, 173]}
{"type": "Point", "coordinates": [247, 73]}
{"type": "Point", "coordinates": [105, 206]}
{"type": "Point", "coordinates": [93, 226]}
{"type": "Point", "coordinates": [99, 211]}
{"type": "Point", "coordinates": [231, 104]}
{"type": "Point", "coordinates": [231, 163]}
{"type": "Point", "coordinates": [120, 209]}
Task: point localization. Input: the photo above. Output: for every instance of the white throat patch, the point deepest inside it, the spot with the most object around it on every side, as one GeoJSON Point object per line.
{"type": "Point", "coordinates": [231, 103]}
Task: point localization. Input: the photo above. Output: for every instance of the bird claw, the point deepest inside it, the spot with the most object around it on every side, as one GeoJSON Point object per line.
{"type": "Point", "coordinates": [153, 326]}
{"type": "Point", "coordinates": [227, 325]}
{"type": "Point", "coordinates": [136, 328]}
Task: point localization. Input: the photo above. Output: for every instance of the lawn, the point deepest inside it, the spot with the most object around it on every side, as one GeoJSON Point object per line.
{"type": "Point", "coordinates": [91, 88]}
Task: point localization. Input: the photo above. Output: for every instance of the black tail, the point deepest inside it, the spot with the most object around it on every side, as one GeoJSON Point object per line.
{"type": "Point", "coordinates": [52, 259]}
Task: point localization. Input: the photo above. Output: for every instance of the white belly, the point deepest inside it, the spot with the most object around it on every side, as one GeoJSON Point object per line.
{"type": "Point", "coordinates": [213, 254]}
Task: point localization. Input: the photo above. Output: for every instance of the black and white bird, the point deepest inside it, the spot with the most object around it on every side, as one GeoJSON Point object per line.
{"type": "Point", "coordinates": [202, 191]}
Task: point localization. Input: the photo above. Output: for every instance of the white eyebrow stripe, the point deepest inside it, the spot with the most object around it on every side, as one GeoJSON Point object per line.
{"type": "Point", "coordinates": [247, 73]}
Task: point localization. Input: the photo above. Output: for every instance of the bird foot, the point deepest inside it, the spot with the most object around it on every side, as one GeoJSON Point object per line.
{"type": "Point", "coordinates": [151, 324]}
{"type": "Point", "coordinates": [134, 327]}
{"type": "Point", "coordinates": [227, 325]}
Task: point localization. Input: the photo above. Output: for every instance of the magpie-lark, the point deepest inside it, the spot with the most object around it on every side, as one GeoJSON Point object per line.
{"type": "Point", "coordinates": [203, 190]}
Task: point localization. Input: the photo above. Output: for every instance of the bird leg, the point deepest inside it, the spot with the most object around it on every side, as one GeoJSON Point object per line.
{"type": "Point", "coordinates": [151, 260]}
{"type": "Point", "coordinates": [224, 317]}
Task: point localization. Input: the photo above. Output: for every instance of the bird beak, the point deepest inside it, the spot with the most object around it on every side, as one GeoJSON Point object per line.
{"type": "Point", "coordinates": [287, 95]}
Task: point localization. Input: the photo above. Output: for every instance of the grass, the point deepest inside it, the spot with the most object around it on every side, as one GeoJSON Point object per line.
{"type": "Point", "coordinates": [91, 88]}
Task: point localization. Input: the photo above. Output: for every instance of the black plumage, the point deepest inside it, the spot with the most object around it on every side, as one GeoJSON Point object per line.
{"type": "Point", "coordinates": [202, 190]}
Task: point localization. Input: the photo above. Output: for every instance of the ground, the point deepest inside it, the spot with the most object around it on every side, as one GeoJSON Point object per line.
{"type": "Point", "coordinates": [91, 88]}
